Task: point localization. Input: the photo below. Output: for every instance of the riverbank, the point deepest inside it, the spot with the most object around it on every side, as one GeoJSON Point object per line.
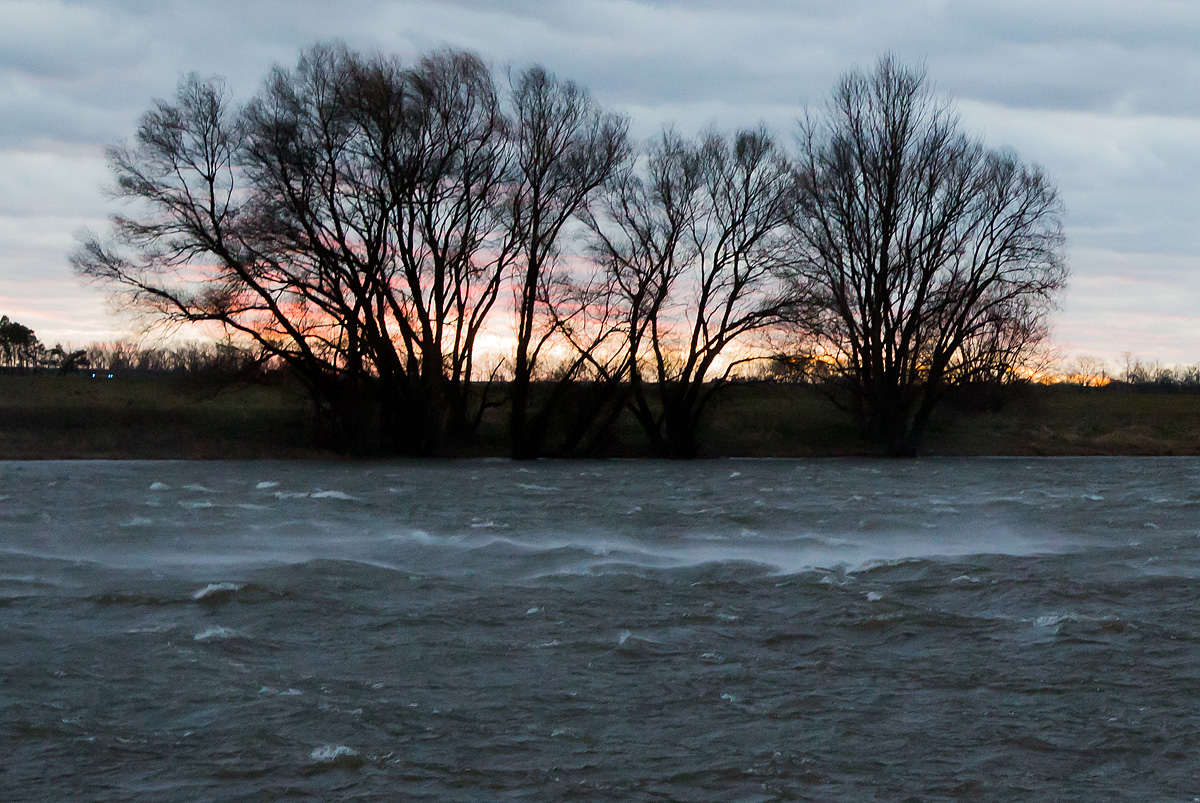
{"type": "Point", "coordinates": [155, 417]}
{"type": "Point", "coordinates": [141, 417]}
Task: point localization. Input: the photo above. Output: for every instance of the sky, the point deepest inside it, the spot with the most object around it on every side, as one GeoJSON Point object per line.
{"type": "Point", "coordinates": [1101, 93]}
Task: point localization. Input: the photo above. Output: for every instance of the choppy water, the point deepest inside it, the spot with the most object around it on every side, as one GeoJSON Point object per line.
{"type": "Point", "coordinates": [725, 631]}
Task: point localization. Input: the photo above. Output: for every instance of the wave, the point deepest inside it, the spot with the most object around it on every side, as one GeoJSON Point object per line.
{"type": "Point", "coordinates": [778, 554]}
{"type": "Point", "coordinates": [496, 546]}
{"type": "Point", "coordinates": [217, 591]}
{"type": "Point", "coordinates": [216, 633]}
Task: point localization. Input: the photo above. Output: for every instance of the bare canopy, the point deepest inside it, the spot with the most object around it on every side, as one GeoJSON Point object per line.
{"type": "Point", "coordinates": [925, 258]}
{"type": "Point", "coordinates": [693, 245]}
{"type": "Point", "coordinates": [364, 221]}
{"type": "Point", "coordinates": [357, 220]}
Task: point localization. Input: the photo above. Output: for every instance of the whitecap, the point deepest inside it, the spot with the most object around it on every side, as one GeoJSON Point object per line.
{"type": "Point", "coordinates": [159, 486]}
{"type": "Point", "coordinates": [197, 488]}
{"type": "Point", "coordinates": [1056, 619]}
{"type": "Point", "coordinates": [290, 495]}
{"type": "Point", "coordinates": [335, 495]}
{"type": "Point", "coordinates": [280, 692]}
{"type": "Point", "coordinates": [265, 484]}
{"type": "Point", "coordinates": [337, 754]}
{"type": "Point", "coordinates": [422, 537]}
{"type": "Point", "coordinates": [874, 596]}
{"type": "Point", "coordinates": [883, 563]}
{"type": "Point", "coordinates": [216, 589]}
{"type": "Point", "coordinates": [217, 632]}
{"type": "Point", "coordinates": [197, 505]}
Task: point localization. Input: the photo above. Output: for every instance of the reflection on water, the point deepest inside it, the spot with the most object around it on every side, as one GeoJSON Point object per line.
{"type": "Point", "coordinates": [942, 629]}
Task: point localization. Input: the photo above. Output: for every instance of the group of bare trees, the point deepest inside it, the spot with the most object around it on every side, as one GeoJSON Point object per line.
{"type": "Point", "coordinates": [197, 360]}
{"type": "Point", "coordinates": [369, 224]}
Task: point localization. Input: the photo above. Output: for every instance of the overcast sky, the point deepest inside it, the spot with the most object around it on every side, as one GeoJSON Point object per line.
{"type": "Point", "coordinates": [1102, 93]}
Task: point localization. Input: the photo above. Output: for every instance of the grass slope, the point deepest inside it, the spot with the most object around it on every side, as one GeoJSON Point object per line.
{"type": "Point", "coordinates": [50, 417]}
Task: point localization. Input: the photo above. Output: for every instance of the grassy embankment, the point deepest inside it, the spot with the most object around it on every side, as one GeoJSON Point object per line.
{"type": "Point", "coordinates": [53, 417]}
{"type": "Point", "coordinates": [155, 417]}
{"type": "Point", "coordinates": [1036, 420]}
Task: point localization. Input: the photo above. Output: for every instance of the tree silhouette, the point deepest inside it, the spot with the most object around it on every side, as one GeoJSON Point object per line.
{"type": "Point", "coordinates": [694, 245]}
{"type": "Point", "coordinates": [925, 259]}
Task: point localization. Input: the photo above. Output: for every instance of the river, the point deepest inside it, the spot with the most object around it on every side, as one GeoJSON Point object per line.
{"type": "Point", "coordinates": [735, 630]}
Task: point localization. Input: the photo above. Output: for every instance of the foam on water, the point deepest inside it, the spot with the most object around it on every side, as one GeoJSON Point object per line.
{"type": "Point", "coordinates": [334, 495]}
{"type": "Point", "coordinates": [215, 633]}
{"type": "Point", "coordinates": [216, 590]}
{"type": "Point", "coordinates": [777, 552]}
{"type": "Point", "coordinates": [336, 755]}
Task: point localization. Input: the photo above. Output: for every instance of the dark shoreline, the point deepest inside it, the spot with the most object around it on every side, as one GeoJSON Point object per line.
{"type": "Point", "coordinates": [156, 417]}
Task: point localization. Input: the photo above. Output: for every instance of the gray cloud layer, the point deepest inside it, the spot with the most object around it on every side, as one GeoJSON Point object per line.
{"type": "Point", "coordinates": [1101, 93]}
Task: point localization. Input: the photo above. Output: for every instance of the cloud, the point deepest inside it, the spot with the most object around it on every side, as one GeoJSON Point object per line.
{"type": "Point", "coordinates": [1099, 92]}
{"type": "Point", "coordinates": [49, 185]}
{"type": "Point", "coordinates": [1138, 303]}
{"type": "Point", "coordinates": [1128, 182]}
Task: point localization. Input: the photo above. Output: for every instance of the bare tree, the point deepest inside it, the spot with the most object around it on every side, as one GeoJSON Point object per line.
{"type": "Point", "coordinates": [345, 221]}
{"type": "Point", "coordinates": [563, 148]}
{"type": "Point", "coordinates": [926, 259]}
{"type": "Point", "coordinates": [448, 183]}
{"type": "Point", "coordinates": [1086, 371]}
{"type": "Point", "coordinates": [694, 246]}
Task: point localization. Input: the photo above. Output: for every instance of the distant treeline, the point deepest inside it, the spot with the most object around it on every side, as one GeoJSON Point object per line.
{"type": "Point", "coordinates": [1133, 374]}
{"type": "Point", "coordinates": [200, 360]}
{"type": "Point", "coordinates": [21, 352]}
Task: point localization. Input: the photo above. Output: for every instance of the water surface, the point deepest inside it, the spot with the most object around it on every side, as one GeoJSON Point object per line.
{"type": "Point", "coordinates": [930, 630]}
